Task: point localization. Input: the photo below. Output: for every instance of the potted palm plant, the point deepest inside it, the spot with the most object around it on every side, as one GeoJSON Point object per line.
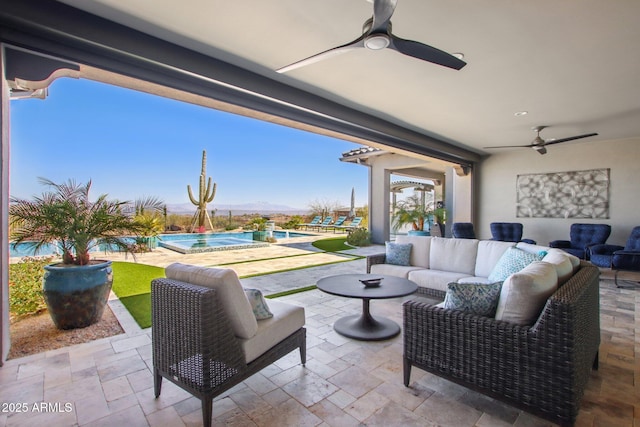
{"type": "Point", "coordinates": [259, 226]}
{"type": "Point", "coordinates": [75, 290]}
{"type": "Point", "coordinates": [412, 212]}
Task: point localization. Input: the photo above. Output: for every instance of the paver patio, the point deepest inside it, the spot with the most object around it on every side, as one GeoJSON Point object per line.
{"type": "Point", "coordinates": [345, 382]}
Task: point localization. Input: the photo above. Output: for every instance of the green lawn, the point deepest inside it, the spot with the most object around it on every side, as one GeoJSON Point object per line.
{"type": "Point", "coordinates": [132, 281]}
{"type": "Point", "coordinates": [333, 244]}
{"type": "Point", "coordinates": [132, 285]}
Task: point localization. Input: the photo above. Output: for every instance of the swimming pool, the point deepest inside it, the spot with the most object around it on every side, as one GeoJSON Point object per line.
{"type": "Point", "coordinates": [188, 243]}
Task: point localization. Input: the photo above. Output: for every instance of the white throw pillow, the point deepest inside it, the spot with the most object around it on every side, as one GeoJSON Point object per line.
{"type": "Point", "coordinates": [525, 293]}
{"type": "Point", "coordinates": [230, 293]}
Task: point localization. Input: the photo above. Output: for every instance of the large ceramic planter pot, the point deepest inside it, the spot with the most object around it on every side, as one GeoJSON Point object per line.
{"type": "Point", "coordinates": [76, 295]}
{"type": "Point", "coordinates": [418, 233]}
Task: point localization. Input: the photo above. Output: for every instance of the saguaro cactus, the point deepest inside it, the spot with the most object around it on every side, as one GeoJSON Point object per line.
{"type": "Point", "coordinates": [205, 195]}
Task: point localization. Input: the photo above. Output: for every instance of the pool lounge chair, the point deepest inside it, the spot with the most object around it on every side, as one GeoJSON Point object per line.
{"type": "Point", "coordinates": [355, 223]}
{"type": "Point", "coordinates": [338, 223]}
{"type": "Point", "coordinates": [328, 220]}
{"type": "Point", "coordinates": [315, 221]}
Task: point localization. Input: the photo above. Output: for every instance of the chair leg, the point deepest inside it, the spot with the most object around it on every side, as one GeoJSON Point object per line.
{"type": "Point", "coordinates": [615, 279]}
{"type": "Point", "coordinates": [303, 350]}
{"type": "Point", "coordinates": [207, 411]}
{"type": "Point", "coordinates": [406, 371]}
{"type": "Point", "coordinates": [157, 383]}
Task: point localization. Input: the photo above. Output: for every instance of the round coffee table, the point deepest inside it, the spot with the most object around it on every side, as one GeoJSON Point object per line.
{"type": "Point", "coordinates": [364, 326]}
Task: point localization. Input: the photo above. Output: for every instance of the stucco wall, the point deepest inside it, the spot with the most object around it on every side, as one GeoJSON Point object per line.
{"type": "Point", "coordinates": [497, 186]}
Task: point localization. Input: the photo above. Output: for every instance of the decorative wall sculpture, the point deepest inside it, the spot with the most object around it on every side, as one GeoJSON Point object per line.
{"type": "Point", "coordinates": [576, 194]}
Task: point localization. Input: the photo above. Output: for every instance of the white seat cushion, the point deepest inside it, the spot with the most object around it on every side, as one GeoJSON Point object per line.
{"type": "Point", "coordinates": [475, 279]}
{"type": "Point", "coordinates": [525, 293]}
{"type": "Point", "coordinates": [229, 291]}
{"type": "Point", "coordinates": [419, 250]}
{"type": "Point", "coordinates": [434, 279]}
{"type": "Point", "coordinates": [287, 318]}
{"type": "Point", "coordinates": [393, 270]}
{"type": "Point", "coordinates": [454, 255]}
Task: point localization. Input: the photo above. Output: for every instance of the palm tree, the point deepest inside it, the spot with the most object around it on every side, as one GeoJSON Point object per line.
{"type": "Point", "coordinates": [67, 217]}
{"type": "Point", "coordinates": [411, 211]}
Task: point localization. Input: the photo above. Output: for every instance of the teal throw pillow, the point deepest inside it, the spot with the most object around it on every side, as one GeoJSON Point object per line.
{"type": "Point", "coordinates": [476, 298]}
{"type": "Point", "coordinates": [398, 253]}
{"type": "Point", "coordinates": [512, 261]}
{"type": "Point", "coordinates": [258, 304]}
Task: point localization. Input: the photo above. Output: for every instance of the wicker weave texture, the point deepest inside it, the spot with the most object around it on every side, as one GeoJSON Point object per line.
{"type": "Point", "coordinates": [194, 347]}
{"type": "Point", "coordinates": [543, 368]}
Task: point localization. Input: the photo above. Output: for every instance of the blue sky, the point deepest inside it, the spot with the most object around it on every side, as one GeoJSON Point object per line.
{"type": "Point", "coordinates": [133, 144]}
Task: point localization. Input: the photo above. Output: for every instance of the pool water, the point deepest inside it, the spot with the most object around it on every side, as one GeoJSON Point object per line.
{"type": "Point", "coordinates": [207, 242]}
{"type": "Point", "coordinates": [185, 243]}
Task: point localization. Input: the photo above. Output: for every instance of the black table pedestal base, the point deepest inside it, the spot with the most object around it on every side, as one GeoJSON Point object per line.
{"type": "Point", "coordinates": [366, 327]}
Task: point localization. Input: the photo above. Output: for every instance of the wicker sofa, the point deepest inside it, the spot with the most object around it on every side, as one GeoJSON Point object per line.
{"type": "Point", "coordinates": [542, 369]}
{"type": "Point", "coordinates": [537, 358]}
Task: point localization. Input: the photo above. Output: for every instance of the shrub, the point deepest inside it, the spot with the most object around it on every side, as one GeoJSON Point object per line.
{"type": "Point", "coordinates": [293, 222]}
{"type": "Point", "coordinates": [359, 237]}
{"type": "Point", "coordinates": [25, 287]}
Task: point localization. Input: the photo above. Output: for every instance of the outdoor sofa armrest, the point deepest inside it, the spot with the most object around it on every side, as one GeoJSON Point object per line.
{"type": "Point", "coordinates": [625, 260]}
{"type": "Point", "coordinates": [543, 368]}
{"type": "Point", "coordinates": [560, 244]}
{"type": "Point", "coordinates": [605, 249]}
{"type": "Point", "coordinates": [375, 259]}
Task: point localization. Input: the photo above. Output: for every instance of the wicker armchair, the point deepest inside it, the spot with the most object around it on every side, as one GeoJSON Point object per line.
{"type": "Point", "coordinates": [195, 348]}
{"type": "Point", "coordinates": [543, 368]}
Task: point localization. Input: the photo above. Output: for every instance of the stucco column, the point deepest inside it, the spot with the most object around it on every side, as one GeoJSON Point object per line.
{"type": "Point", "coordinates": [379, 202]}
{"type": "Point", "coordinates": [5, 342]}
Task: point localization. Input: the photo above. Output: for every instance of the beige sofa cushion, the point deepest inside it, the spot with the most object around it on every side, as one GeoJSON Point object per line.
{"type": "Point", "coordinates": [489, 253]}
{"type": "Point", "coordinates": [525, 293]}
{"type": "Point", "coordinates": [229, 290]}
{"type": "Point", "coordinates": [287, 318]}
{"type": "Point", "coordinates": [562, 262]}
{"type": "Point", "coordinates": [393, 270]}
{"type": "Point", "coordinates": [420, 249]}
{"type": "Point", "coordinates": [434, 279]}
{"type": "Point", "coordinates": [454, 255]}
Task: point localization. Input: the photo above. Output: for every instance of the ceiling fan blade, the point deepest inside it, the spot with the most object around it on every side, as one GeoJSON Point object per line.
{"type": "Point", "coordinates": [571, 138]}
{"type": "Point", "coordinates": [425, 52]}
{"type": "Point", "coordinates": [357, 43]}
{"type": "Point", "coordinates": [512, 146]}
{"type": "Point", "coordinates": [382, 11]}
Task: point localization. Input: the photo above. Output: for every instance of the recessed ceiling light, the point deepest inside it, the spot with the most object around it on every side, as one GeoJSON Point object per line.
{"type": "Point", "coordinates": [521, 113]}
{"type": "Point", "coordinates": [458, 55]}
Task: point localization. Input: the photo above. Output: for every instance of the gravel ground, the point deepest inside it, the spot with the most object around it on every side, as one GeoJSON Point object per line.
{"type": "Point", "coordinates": [36, 334]}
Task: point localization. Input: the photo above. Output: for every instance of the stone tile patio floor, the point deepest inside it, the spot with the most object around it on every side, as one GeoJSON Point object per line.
{"type": "Point", "coordinates": [345, 382]}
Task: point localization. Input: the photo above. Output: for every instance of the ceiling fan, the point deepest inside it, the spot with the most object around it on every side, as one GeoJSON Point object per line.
{"type": "Point", "coordinates": [376, 35]}
{"type": "Point", "coordinates": [540, 144]}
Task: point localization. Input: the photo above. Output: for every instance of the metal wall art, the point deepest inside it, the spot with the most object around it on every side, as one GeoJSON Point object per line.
{"type": "Point", "coordinates": [576, 194]}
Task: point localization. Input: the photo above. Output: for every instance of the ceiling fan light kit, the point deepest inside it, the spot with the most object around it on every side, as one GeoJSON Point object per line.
{"type": "Point", "coordinates": [377, 35]}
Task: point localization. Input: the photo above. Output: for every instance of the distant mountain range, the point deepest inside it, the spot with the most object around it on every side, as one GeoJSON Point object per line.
{"type": "Point", "coordinates": [240, 209]}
